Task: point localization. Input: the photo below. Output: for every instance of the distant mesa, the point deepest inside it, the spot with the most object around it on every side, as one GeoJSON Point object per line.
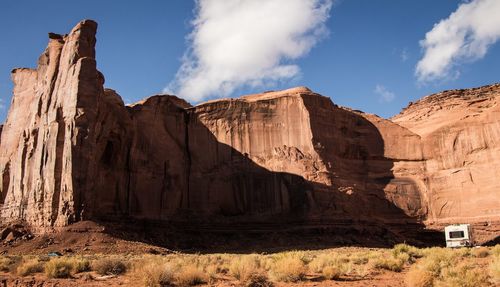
{"type": "Point", "coordinates": [71, 150]}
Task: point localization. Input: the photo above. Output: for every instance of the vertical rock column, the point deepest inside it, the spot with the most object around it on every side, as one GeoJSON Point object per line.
{"type": "Point", "coordinates": [51, 116]}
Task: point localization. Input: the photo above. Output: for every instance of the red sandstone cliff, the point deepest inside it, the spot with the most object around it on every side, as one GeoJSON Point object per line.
{"type": "Point", "coordinates": [460, 139]}
{"type": "Point", "coordinates": [71, 150]}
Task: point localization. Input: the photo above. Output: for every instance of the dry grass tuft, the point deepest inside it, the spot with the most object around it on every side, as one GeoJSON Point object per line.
{"type": "Point", "coordinates": [481, 252]}
{"type": "Point", "coordinates": [441, 268]}
{"type": "Point", "coordinates": [463, 276]}
{"type": "Point", "coordinates": [417, 277]}
{"type": "Point", "coordinates": [109, 266]}
{"type": "Point", "coordinates": [413, 252]}
{"type": "Point", "coordinates": [288, 269]}
{"type": "Point", "coordinates": [332, 272]}
{"type": "Point", "coordinates": [258, 280]}
{"type": "Point", "coordinates": [211, 271]}
{"type": "Point", "coordinates": [29, 267]}
{"type": "Point", "coordinates": [242, 268]}
{"type": "Point", "coordinates": [392, 263]}
{"type": "Point", "coordinates": [190, 275]}
{"type": "Point", "coordinates": [331, 265]}
{"type": "Point", "coordinates": [59, 268]}
{"type": "Point", "coordinates": [437, 259]}
{"type": "Point", "coordinates": [495, 269]}
{"type": "Point", "coordinates": [5, 263]}
{"type": "Point", "coordinates": [495, 250]}
{"type": "Point", "coordinates": [156, 274]}
{"type": "Point", "coordinates": [360, 258]}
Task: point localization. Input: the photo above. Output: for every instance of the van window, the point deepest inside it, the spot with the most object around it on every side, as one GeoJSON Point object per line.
{"type": "Point", "coordinates": [456, 234]}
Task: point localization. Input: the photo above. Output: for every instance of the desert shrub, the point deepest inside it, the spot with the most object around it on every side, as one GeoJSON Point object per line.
{"type": "Point", "coordinates": [80, 264]}
{"type": "Point", "coordinates": [155, 274]}
{"type": "Point", "coordinates": [434, 262]}
{"type": "Point", "coordinates": [495, 250]}
{"type": "Point", "coordinates": [109, 266]}
{"type": "Point", "coordinates": [331, 266]}
{"type": "Point", "coordinates": [190, 275]}
{"type": "Point", "coordinates": [211, 271]}
{"type": "Point", "coordinates": [402, 248]}
{"type": "Point", "coordinates": [5, 263]}
{"type": "Point", "coordinates": [319, 262]}
{"type": "Point", "coordinates": [243, 267]}
{"type": "Point", "coordinates": [389, 263]}
{"type": "Point", "coordinates": [29, 267]}
{"type": "Point", "coordinates": [392, 263]}
{"type": "Point", "coordinates": [59, 268]}
{"type": "Point", "coordinates": [288, 269]}
{"type": "Point", "coordinates": [303, 256]}
{"type": "Point", "coordinates": [329, 259]}
{"type": "Point", "coordinates": [267, 262]}
{"type": "Point", "coordinates": [332, 272]}
{"type": "Point", "coordinates": [481, 252]}
{"type": "Point", "coordinates": [258, 279]}
{"type": "Point", "coordinates": [360, 258]}
{"type": "Point", "coordinates": [463, 252]}
{"type": "Point", "coordinates": [417, 277]}
{"type": "Point", "coordinates": [442, 265]}
{"type": "Point", "coordinates": [495, 270]}
{"type": "Point", "coordinates": [361, 271]}
{"type": "Point", "coordinates": [462, 276]}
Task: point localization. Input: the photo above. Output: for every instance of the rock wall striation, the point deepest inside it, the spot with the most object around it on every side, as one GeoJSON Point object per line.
{"type": "Point", "coordinates": [71, 150]}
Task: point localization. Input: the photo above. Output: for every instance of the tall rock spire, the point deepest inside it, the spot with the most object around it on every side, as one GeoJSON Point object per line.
{"type": "Point", "coordinates": [50, 113]}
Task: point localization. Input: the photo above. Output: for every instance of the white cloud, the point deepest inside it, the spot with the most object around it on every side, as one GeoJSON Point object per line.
{"type": "Point", "coordinates": [465, 35]}
{"type": "Point", "coordinates": [247, 43]}
{"type": "Point", "coordinates": [384, 94]}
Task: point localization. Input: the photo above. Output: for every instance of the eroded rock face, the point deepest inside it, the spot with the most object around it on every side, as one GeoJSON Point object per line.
{"type": "Point", "coordinates": [460, 139]}
{"type": "Point", "coordinates": [51, 113]}
{"type": "Point", "coordinates": [71, 150]}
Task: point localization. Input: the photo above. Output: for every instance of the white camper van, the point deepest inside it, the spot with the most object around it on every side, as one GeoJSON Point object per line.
{"type": "Point", "coordinates": [458, 235]}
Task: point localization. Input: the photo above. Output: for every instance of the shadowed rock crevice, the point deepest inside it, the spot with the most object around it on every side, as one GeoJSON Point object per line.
{"type": "Point", "coordinates": [58, 168]}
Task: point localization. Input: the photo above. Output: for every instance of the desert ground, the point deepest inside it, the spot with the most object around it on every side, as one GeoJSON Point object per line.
{"type": "Point", "coordinates": [84, 255]}
{"type": "Point", "coordinates": [402, 265]}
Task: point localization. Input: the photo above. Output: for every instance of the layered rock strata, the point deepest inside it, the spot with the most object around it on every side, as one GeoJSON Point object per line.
{"type": "Point", "coordinates": [460, 139]}
{"type": "Point", "coordinates": [71, 150]}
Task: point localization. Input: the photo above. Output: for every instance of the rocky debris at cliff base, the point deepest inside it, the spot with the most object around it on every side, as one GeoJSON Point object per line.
{"type": "Point", "coordinates": [11, 233]}
{"type": "Point", "coordinates": [142, 237]}
{"type": "Point", "coordinates": [84, 237]}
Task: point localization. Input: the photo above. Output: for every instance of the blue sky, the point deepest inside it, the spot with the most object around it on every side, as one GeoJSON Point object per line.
{"type": "Point", "coordinates": [365, 57]}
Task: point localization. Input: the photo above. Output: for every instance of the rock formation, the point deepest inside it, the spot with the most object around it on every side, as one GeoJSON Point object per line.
{"type": "Point", "coordinates": [460, 139]}
{"type": "Point", "coordinates": [71, 150]}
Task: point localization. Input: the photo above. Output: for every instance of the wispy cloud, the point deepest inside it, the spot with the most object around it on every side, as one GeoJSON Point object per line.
{"type": "Point", "coordinates": [404, 55]}
{"type": "Point", "coordinates": [384, 94]}
{"type": "Point", "coordinates": [247, 43]}
{"type": "Point", "coordinates": [465, 35]}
